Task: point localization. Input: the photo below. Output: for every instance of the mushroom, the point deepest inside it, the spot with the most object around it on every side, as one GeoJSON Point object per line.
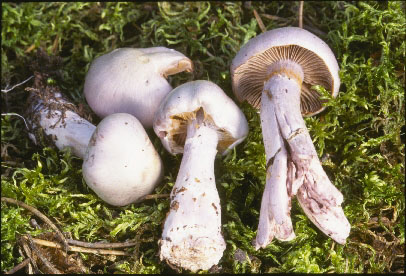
{"type": "Point", "coordinates": [53, 118]}
{"type": "Point", "coordinates": [121, 165]}
{"type": "Point", "coordinates": [197, 119]}
{"type": "Point", "coordinates": [275, 72]}
{"type": "Point", "coordinates": [133, 81]}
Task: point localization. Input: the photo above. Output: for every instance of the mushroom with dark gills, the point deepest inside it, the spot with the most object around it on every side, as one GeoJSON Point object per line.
{"type": "Point", "coordinates": [129, 80]}
{"type": "Point", "coordinates": [197, 119]}
{"type": "Point", "coordinates": [275, 72]}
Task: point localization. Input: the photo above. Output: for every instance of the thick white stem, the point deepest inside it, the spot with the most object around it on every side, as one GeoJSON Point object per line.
{"type": "Point", "coordinates": [274, 219]}
{"type": "Point", "coordinates": [192, 237]}
{"type": "Point", "coordinates": [319, 198]}
{"type": "Point", "coordinates": [64, 128]}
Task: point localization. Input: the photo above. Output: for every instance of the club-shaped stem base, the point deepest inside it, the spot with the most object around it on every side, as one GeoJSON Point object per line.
{"type": "Point", "coordinates": [192, 237]}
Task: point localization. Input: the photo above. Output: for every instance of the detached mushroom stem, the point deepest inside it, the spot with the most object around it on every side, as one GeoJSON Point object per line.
{"type": "Point", "coordinates": [192, 232]}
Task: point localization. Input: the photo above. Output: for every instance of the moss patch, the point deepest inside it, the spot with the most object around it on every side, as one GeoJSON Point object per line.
{"type": "Point", "coordinates": [360, 136]}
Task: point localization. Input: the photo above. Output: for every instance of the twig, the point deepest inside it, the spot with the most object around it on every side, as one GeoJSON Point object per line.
{"type": "Point", "coordinates": [210, 54]}
{"type": "Point", "coordinates": [18, 267]}
{"type": "Point", "coordinates": [40, 215]}
{"type": "Point", "coordinates": [4, 153]}
{"type": "Point", "coordinates": [18, 84]}
{"type": "Point", "coordinates": [20, 250]}
{"type": "Point", "coordinates": [300, 14]}
{"type": "Point", "coordinates": [29, 255]}
{"type": "Point", "coordinates": [102, 244]}
{"type": "Point", "coordinates": [29, 49]}
{"type": "Point", "coordinates": [44, 260]}
{"type": "Point", "coordinates": [80, 249]}
{"type": "Point", "coordinates": [55, 44]}
{"type": "Point", "coordinates": [274, 17]}
{"type": "Point", "coordinates": [259, 20]}
{"type": "Point", "coordinates": [154, 196]}
{"type": "Point", "coordinates": [16, 114]}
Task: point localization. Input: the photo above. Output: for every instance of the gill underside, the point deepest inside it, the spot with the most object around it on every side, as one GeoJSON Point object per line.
{"type": "Point", "coordinates": [179, 129]}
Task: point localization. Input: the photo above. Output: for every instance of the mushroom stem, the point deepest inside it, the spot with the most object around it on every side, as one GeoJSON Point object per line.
{"type": "Point", "coordinates": [59, 123]}
{"type": "Point", "coordinates": [192, 236]}
{"type": "Point", "coordinates": [319, 198]}
{"type": "Point", "coordinates": [274, 219]}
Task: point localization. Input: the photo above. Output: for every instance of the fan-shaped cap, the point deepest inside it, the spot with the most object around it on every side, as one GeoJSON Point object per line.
{"type": "Point", "coordinates": [182, 104]}
{"type": "Point", "coordinates": [133, 81]}
{"type": "Point", "coordinates": [250, 67]}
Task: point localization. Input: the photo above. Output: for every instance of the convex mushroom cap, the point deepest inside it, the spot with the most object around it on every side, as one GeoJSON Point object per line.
{"type": "Point", "coordinates": [251, 66]}
{"type": "Point", "coordinates": [121, 165]}
{"type": "Point", "coordinates": [181, 105]}
{"type": "Point", "coordinates": [133, 81]}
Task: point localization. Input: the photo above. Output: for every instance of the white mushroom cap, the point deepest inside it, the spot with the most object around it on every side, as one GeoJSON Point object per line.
{"type": "Point", "coordinates": [121, 164]}
{"type": "Point", "coordinates": [181, 105]}
{"type": "Point", "coordinates": [132, 81]}
{"type": "Point", "coordinates": [250, 67]}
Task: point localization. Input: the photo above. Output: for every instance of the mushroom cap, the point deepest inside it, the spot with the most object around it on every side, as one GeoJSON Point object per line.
{"type": "Point", "coordinates": [121, 165]}
{"type": "Point", "coordinates": [181, 105]}
{"type": "Point", "coordinates": [249, 68]}
{"type": "Point", "coordinates": [133, 81]}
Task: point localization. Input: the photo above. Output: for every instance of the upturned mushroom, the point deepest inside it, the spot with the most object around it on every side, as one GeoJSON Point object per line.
{"type": "Point", "coordinates": [275, 72]}
{"type": "Point", "coordinates": [121, 165]}
{"type": "Point", "coordinates": [197, 119]}
{"type": "Point", "coordinates": [133, 81]}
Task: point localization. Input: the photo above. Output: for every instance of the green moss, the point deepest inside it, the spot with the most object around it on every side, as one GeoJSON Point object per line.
{"type": "Point", "coordinates": [360, 136]}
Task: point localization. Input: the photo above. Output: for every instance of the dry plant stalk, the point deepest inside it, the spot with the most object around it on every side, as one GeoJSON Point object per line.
{"type": "Point", "coordinates": [50, 267]}
{"type": "Point", "coordinates": [300, 14]}
{"type": "Point", "coordinates": [19, 266]}
{"type": "Point", "coordinates": [80, 249]}
{"type": "Point", "coordinates": [259, 20]}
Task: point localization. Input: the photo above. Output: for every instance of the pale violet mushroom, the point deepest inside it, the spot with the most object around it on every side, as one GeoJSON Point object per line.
{"type": "Point", "coordinates": [121, 165]}
{"type": "Point", "coordinates": [197, 119]}
{"type": "Point", "coordinates": [129, 80]}
{"type": "Point", "coordinates": [275, 72]}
